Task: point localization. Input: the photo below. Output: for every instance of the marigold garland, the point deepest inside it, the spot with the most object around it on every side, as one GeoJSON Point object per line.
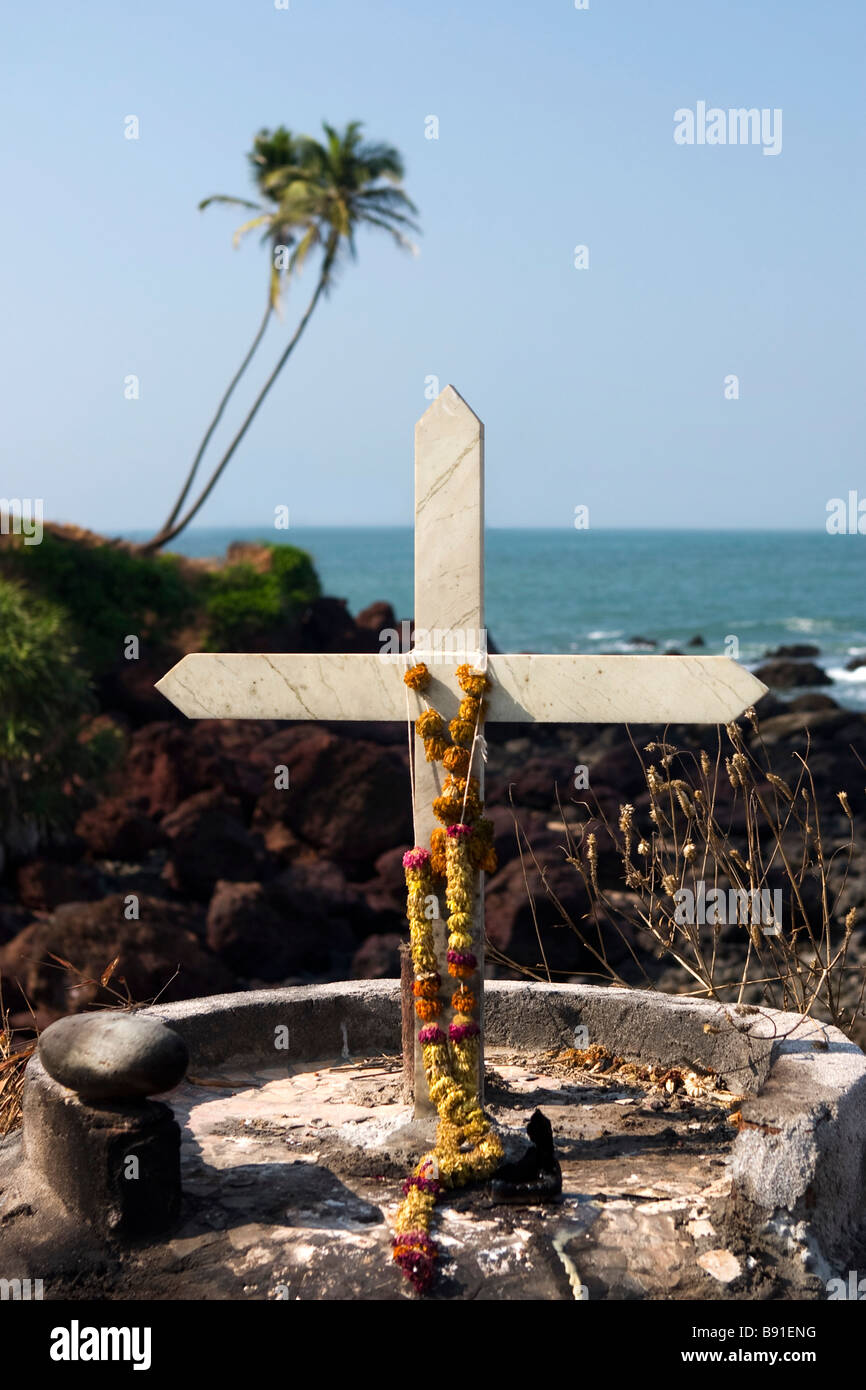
{"type": "Point", "coordinates": [417, 677]}
{"type": "Point", "coordinates": [466, 1148]}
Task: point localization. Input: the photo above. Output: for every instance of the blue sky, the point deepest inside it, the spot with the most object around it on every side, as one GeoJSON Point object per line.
{"type": "Point", "coordinates": [602, 387]}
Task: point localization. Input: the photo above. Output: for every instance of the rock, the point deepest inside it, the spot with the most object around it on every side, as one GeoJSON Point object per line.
{"type": "Point", "coordinates": [721, 1264]}
{"type": "Point", "coordinates": [696, 641]}
{"type": "Point", "coordinates": [855, 663]}
{"type": "Point", "coordinates": [378, 958]}
{"type": "Point", "coordinates": [533, 828]}
{"type": "Point", "coordinates": [348, 798]}
{"type": "Point", "coordinates": [795, 650]}
{"type": "Point", "coordinates": [620, 767]}
{"type": "Point", "coordinates": [641, 642]}
{"type": "Point", "coordinates": [116, 828]}
{"type": "Point", "coordinates": [328, 626]}
{"type": "Point", "coordinates": [44, 884]}
{"type": "Point", "coordinates": [376, 618]}
{"type": "Point", "coordinates": [827, 727]}
{"type": "Point", "coordinates": [113, 1056]}
{"type": "Point", "coordinates": [158, 771]}
{"type": "Point", "coordinates": [328, 915]}
{"type": "Point", "coordinates": [282, 843]}
{"type": "Point", "coordinates": [812, 701]}
{"type": "Point", "coordinates": [769, 705]}
{"type": "Point", "coordinates": [384, 895]}
{"type": "Point", "coordinates": [129, 688]}
{"type": "Point", "coordinates": [305, 922]}
{"type": "Point", "coordinates": [159, 954]}
{"type": "Point", "coordinates": [255, 554]}
{"type": "Point", "coordinates": [166, 764]}
{"type": "Point", "coordinates": [248, 933]}
{"type": "Point", "coordinates": [785, 674]}
{"type": "Point", "coordinates": [13, 919]}
{"type": "Point", "coordinates": [390, 874]}
{"type": "Point", "coordinates": [536, 782]}
{"type": "Point", "coordinates": [514, 919]}
{"type": "Point", "coordinates": [207, 841]}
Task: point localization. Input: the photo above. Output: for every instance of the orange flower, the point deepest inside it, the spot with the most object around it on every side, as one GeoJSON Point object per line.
{"type": "Point", "coordinates": [417, 677]}
{"type": "Point", "coordinates": [460, 972]}
{"type": "Point", "coordinates": [457, 785]}
{"type": "Point", "coordinates": [462, 732]}
{"type": "Point", "coordinates": [471, 683]}
{"type": "Point", "coordinates": [457, 760]}
{"type": "Point", "coordinates": [464, 1001]}
{"type": "Point", "coordinates": [435, 749]}
{"type": "Point", "coordinates": [448, 809]}
{"type": "Point", "coordinates": [429, 723]}
{"type": "Point", "coordinates": [438, 841]}
{"type": "Point", "coordinates": [425, 989]}
{"type": "Point", "coordinates": [427, 1009]}
{"type": "Point", "coordinates": [470, 710]}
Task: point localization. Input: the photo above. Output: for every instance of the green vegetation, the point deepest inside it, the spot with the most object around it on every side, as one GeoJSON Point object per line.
{"type": "Point", "coordinates": [107, 591]}
{"type": "Point", "coordinates": [241, 600]}
{"type": "Point", "coordinates": [45, 703]}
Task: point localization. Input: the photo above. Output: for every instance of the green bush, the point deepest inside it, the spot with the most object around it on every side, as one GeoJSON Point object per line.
{"type": "Point", "coordinates": [242, 601]}
{"type": "Point", "coordinates": [107, 590]}
{"type": "Point", "coordinates": [45, 701]}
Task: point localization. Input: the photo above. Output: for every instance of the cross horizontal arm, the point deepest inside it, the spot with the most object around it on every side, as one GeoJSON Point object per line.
{"type": "Point", "coordinates": [535, 689]}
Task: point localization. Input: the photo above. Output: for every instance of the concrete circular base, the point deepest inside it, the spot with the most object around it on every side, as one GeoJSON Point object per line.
{"type": "Point", "coordinates": [800, 1153]}
{"type": "Point", "coordinates": [795, 1166]}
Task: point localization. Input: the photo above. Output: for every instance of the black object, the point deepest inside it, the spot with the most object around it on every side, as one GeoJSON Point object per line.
{"type": "Point", "coordinates": [536, 1176]}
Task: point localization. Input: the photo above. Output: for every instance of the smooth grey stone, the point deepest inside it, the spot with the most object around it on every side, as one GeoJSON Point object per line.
{"type": "Point", "coordinates": [113, 1056]}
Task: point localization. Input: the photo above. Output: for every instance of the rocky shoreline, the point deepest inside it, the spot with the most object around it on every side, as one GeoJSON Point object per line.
{"type": "Point", "coordinates": [193, 874]}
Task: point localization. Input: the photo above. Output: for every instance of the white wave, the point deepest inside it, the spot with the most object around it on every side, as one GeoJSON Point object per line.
{"type": "Point", "coordinates": [807, 624]}
{"type": "Point", "coordinates": [604, 634]}
{"type": "Point", "coordinates": [840, 674]}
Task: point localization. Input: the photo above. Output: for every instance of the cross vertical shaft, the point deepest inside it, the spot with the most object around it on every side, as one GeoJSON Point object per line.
{"type": "Point", "coordinates": [449, 615]}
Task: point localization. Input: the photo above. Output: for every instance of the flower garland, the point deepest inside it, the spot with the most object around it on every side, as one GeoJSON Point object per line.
{"type": "Point", "coordinates": [466, 1148]}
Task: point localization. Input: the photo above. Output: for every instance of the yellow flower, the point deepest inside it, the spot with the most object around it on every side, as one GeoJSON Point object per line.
{"type": "Point", "coordinates": [435, 749]}
{"type": "Point", "coordinates": [417, 677]}
{"type": "Point", "coordinates": [429, 723]}
{"type": "Point", "coordinates": [462, 732]}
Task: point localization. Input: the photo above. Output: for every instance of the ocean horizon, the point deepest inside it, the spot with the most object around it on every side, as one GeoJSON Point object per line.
{"type": "Point", "coordinates": [596, 590]}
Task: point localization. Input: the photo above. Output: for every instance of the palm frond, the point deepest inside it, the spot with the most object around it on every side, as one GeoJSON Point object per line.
{"type": "Point", "coordinates": [227, 200]}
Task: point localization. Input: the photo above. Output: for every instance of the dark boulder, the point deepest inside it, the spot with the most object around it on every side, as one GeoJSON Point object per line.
{"type": "Point", "coordinates": [795, 650]}
{"type": "Point", "coordinates": [207, 841]}
{"type": "Point", "coordinates": [348, 798]}
{"type": "Point", "coordinates": [305, 922]}
{"type": "Point", "coordinates": [378, 958]}
{"type": "Point", "coordinates": [159, 954]}
{"type": "Point", "coordinates": [116, 828]}
{"type": "Point", "coordinates": [44, 884]}
{"type": "Point", "coordinates": [787, 675]}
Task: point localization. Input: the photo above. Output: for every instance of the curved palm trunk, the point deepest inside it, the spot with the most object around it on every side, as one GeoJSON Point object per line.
{"type": "Point", "coordinates": [168, 534]}
{"type": "Point", "coordinates": [156, 541]}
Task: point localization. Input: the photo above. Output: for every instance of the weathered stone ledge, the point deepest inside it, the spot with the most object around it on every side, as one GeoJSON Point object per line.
{"type": "Point", "coordinates": [800, 1155]}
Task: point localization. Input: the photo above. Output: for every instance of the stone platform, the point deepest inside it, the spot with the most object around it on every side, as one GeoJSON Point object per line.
{"type": "Point", "coordinates": [295, 1135]}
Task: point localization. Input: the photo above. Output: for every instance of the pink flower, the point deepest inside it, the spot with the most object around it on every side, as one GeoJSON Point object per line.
{"type": "Point", "coordinates": [458, 829]}
{"type": "Point", "coordinates": [431, 1034]}
{"type": "Point", "coordinates": [459, 1031]}
{"type": "Point", "coordinates": [416, 858]}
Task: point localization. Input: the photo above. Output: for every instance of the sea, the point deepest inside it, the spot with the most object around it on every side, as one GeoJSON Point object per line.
{"type": "Point", "coordinates": [743, 592]}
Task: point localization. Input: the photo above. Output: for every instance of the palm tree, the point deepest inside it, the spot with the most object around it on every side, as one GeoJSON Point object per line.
{"type": "Point", "coordinates": [270, 152]}
{"type": "Point", "coordinates": [321, 193]}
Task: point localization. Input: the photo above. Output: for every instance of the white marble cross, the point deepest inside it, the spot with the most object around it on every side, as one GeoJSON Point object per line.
{"type": "Point", "coordinates": [449, 629]}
